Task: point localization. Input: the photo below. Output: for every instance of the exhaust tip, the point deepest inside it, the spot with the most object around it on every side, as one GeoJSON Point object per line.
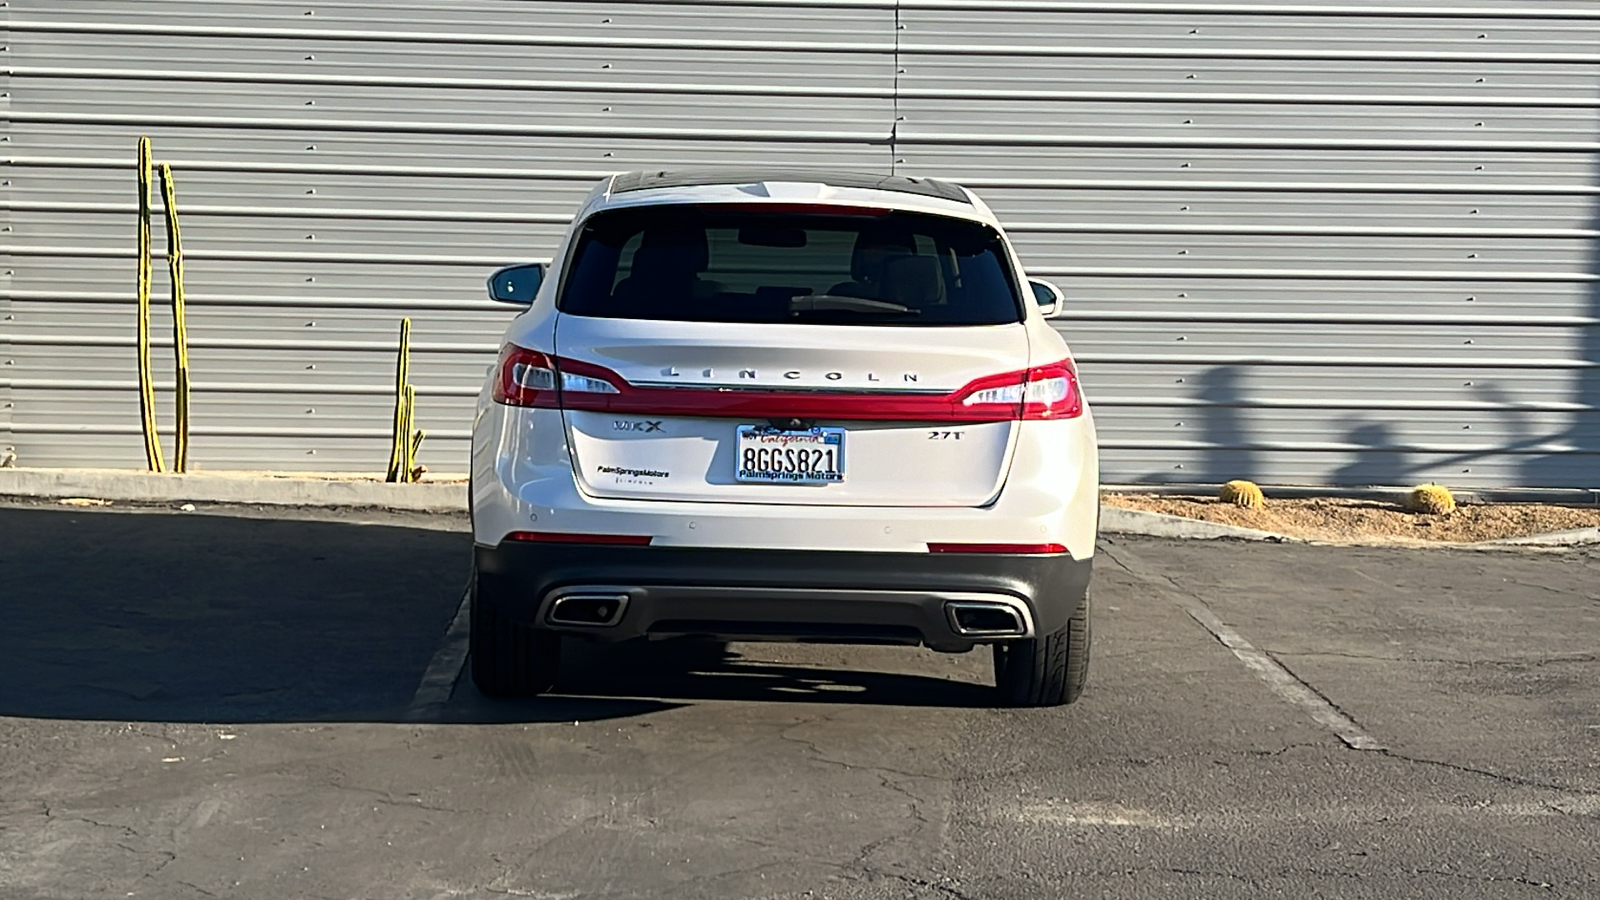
{"type": "Point", "coordinates": [592, 610]}
{"type": "Point", "coordinates": [983, 619]}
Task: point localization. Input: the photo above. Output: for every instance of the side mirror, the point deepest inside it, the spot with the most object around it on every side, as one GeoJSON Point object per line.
{"type": "Point", "coordinates": [517, 284]}
{"type": "Point", "coordinates": [1047, 296]}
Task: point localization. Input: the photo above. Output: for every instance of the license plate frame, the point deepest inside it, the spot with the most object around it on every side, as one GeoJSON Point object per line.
{"type": "Point", "coordinates": [821, 444]}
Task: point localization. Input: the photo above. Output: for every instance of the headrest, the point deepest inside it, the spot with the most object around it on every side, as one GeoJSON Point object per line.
{"type": "Point", "coordinates": [914, 281]}
{"type": "Point", "coordinates": [874, 247]}
{"type": "Point", "coordinates": [657, 264]}
{"type": "Point", "coordinates": [689, 242]}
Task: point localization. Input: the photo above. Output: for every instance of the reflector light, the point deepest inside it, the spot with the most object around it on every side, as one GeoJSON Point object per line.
{"type": "Point", "coordinates": [997, 548]}
{"type": "Point", "coordinates": [562, 537]}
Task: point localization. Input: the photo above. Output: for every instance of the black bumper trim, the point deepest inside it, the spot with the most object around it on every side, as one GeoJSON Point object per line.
{"type": "Point", "coordinates": [861, 596]}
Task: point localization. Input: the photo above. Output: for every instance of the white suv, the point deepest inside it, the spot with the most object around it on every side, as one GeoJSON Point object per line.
{"type": "Point", "coordinates": [783, 406]}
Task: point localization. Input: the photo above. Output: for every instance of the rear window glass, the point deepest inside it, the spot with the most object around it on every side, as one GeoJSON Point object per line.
{"type": "Point", "coordinates": [760, 265]}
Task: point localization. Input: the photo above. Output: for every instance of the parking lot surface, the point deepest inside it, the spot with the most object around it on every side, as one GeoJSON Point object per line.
{"type": "Point", "coordinates": [235, 704]}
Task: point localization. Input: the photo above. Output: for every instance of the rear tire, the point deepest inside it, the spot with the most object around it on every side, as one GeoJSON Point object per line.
{"type": "Point", "coordinates": [509, 658]}
{"type": "Point", "coordinates": [1048, 670]}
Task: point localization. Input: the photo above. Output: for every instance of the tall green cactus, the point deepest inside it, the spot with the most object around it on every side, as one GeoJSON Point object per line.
{"type": "Point", "coordinates": [147, 388]}
{"type": "Point", "coordinates": [180, 327]}
{"type": "Point", "coordinates": [406, 440]}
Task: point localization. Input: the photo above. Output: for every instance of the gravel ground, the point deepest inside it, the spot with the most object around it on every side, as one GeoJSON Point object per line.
{"type": "Point", "coordinates": [1329, 519]}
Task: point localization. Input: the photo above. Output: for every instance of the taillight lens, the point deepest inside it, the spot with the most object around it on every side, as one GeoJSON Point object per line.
{"type": "Point", "coordinates": [530, 378]}
{"type": "Point", "coordinates": [1051, 392]}
{"type": "Point", "coordinates": [1043, 392]}
{"type": "Point", "coordinates": [526, 378]}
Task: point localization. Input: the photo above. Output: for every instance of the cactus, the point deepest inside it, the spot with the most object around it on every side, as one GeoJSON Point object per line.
{"type": "Point", "coordinates": [1431, 499]}
{"type": "Point", "coordinates": [1243, 494]}
{"type": "Point", "coordinates": [147, 389]}
{"type": "Point", "coordinates": [180, 327]}
{"type": "Point", "coordinates": [398, 444]}
{"type": "Point", "coordinates": [407, 438]}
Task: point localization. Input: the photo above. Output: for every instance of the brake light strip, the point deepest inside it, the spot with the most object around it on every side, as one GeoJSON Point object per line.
{"type": "Point", "coordinates": [531, 378]}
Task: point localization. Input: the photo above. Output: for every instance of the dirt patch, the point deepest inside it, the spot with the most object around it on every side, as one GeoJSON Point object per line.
{"type": "Point", "coordinates": [1328, 519]}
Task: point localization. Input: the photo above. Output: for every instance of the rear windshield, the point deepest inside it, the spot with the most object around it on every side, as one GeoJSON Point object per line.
{"type": "Point", "coordinates": [751, 264]}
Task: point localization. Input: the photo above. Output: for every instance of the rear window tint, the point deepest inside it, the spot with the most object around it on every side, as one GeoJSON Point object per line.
{"type": "Point", "coordinates": [760, 265]}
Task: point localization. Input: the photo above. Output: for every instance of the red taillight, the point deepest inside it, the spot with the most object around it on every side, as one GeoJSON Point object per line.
{"type": "Point", "coordinates": [526, 378]}
{"type": "Point", "coordinates": [996, 548]}
{"type": "Point", "coordinates": [1052, 392]}
{"type": "Point", "coordinates": [1042, 392]}
{"type": "Point", "coordinates": [563, 537]}
{"type": "Point", "coordinates": [530, 378]}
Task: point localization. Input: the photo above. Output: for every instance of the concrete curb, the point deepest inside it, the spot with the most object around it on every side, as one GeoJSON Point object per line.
{"type": "Point", "coordinates": [124, 486]}
{"type": "Point", "coordinates": [143, 487]}
{"type": "Point", "coordinates": [1576, 537]}
{"type": "Point", "coordinates": [258, 489]}
{"type": "Point", "coordinates": [1117, 520]}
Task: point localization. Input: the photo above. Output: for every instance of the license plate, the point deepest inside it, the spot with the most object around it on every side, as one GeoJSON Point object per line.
{"type": "Point", "coordinates": [770, 455]}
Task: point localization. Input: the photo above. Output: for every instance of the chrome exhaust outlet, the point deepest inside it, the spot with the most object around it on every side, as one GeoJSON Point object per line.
{"type": "Point", "coordinates": [589, 610]}
{"type": "Point", "coordinates": [984, 618]}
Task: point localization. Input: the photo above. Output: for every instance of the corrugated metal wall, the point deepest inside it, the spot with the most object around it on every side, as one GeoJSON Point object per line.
{"type": "Point", "coordinates": [1336, 242]}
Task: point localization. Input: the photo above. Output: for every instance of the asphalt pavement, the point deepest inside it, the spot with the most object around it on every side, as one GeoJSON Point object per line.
{"type": "Point", "coordinates": [232, 703]}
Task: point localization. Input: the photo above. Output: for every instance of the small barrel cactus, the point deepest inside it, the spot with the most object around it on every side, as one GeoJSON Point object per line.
{"type": "Point", "coordinates": [1433, 499]}
{"type": "Point", "coordinates": [1243, 494]}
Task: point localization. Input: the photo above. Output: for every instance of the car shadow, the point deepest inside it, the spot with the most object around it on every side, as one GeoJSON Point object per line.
{"type": "Point", "coordinates": [685, 670]}
{"type": "Point", "coordinates": [166, 616]}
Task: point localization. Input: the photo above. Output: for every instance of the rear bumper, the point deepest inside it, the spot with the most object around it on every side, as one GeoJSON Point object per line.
{"type": "Point", "coordinates": [522, 478]}
{"type": "Point", "coordinates": [851, 597]}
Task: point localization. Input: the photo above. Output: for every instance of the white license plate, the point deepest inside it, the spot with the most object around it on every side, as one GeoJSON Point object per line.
{"type": "Point", "coordinates": [768, 455]}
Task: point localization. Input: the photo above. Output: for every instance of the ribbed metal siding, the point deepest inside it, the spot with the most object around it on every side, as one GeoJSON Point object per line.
{"type": "Point", "coordinates": [7, 362]}
{"type": "Point", "coordinates": [1306, 243]}
{"type": "Point", "coordinates": [1340, 242]}
{"type": "Point", "coordinates": [342, 164]}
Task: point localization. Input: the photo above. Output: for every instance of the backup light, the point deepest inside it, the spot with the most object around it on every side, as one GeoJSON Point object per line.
{"type": "Point", "coordinates": [583, 384]}
{"type": "Point", "coordinates": [1043, 392]}
{"type": "Point", "coordinates": [530, 378]}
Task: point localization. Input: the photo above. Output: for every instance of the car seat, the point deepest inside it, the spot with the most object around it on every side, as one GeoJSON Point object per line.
{"type": "Point", "coordinates": [913, 281]}
{"type": "Point", "coordinates": [664, 280]}
{"type": "Point", "coordinates": [874, 250]}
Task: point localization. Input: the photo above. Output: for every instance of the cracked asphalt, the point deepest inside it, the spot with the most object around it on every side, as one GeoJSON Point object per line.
{"type": "Point", "coordinates": [214, 704]}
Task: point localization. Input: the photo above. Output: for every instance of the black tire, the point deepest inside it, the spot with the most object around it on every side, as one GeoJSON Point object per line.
{"type": "Point", "coordinates": [509, 659]}
{"type": "Point", "coordinates": [1048, 670]}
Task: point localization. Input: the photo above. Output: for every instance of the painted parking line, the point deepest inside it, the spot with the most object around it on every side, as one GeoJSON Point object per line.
{"type": "Point", "coordinates": [439, 680]}
{"type": "Point", "coordinates": [1279, 679]}
{"type": "Point", "coordinates": [1283, 682]}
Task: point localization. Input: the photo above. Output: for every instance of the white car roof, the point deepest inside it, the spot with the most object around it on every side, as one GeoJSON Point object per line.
{"type": "Point", "coordinates": [788, 186]}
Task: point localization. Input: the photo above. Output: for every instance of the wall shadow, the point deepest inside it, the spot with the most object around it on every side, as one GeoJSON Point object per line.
{"type": "Point", "coordinates": [1580, 466]}
{"type": "Point", "coordinates": [192, 617]}
{"type": "Point", "coordinates": [1378, 457]}
{"type": "Point", "coordinates": [189, 617]}
{"type": "Point", "coordinates": [1223, 427]}
{"type": "Point", "coordinates": [1379, 462]}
